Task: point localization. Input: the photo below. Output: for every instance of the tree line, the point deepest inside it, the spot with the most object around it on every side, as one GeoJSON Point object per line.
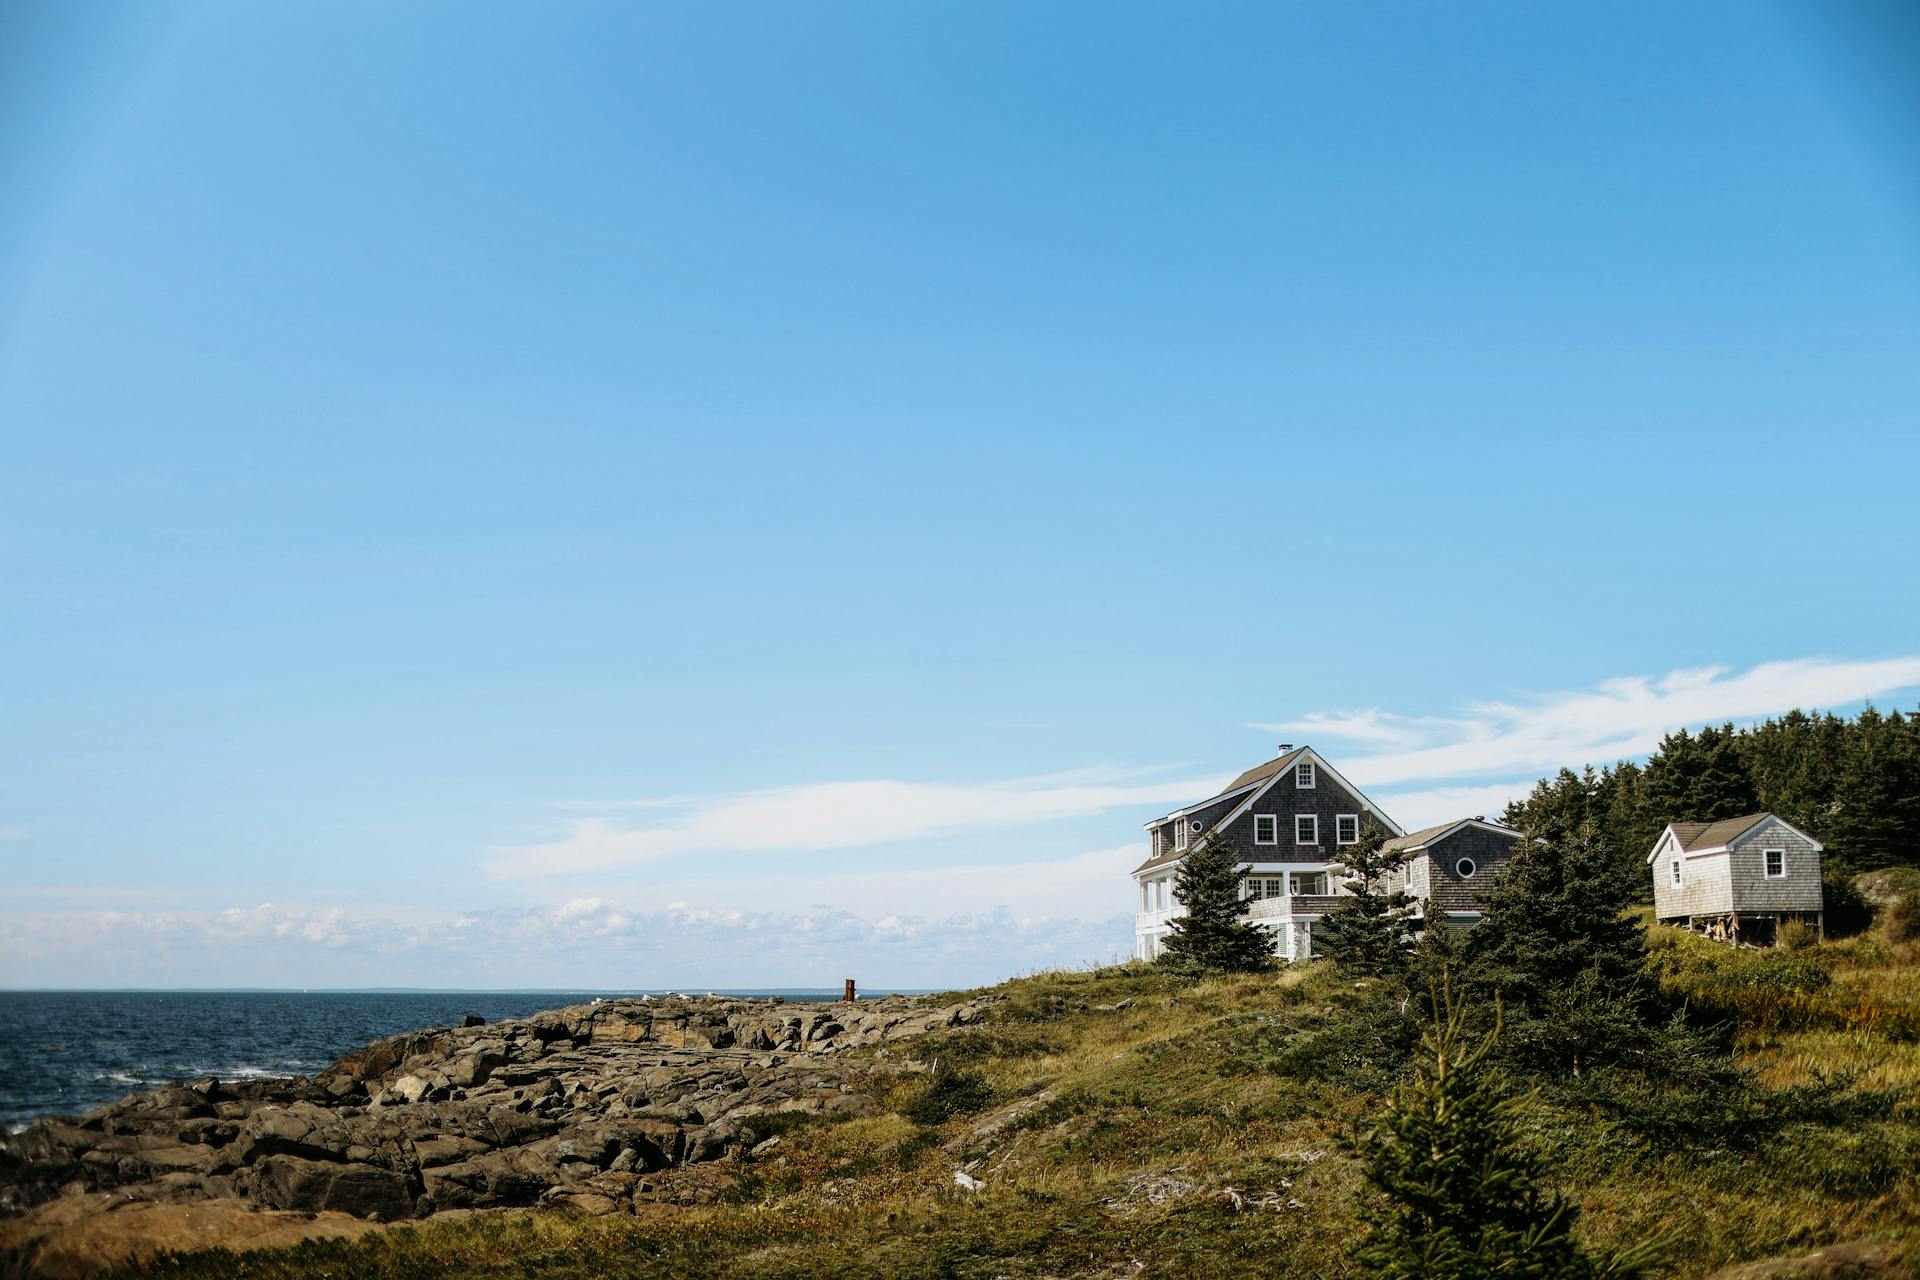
{"type": "Point", "coordinates": [1852, 784]}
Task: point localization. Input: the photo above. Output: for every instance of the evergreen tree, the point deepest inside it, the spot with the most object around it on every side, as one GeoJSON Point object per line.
{"type": "Point", "coordinates": [1462, 1198]}
{"type": "Point", "coordinates": [1368, 932]}
{"type": "Point", "coordinates": [1211, 935]}
{"type": "Point", "coordinates": [1557, 947]}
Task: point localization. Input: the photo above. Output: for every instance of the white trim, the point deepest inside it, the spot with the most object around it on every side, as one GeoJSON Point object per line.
{"type": "Point", "coordinates": [1314, 818]}
{"type": "Point", "coordinates": [1180, 834]}
{"type": "Point", "coordinates": [1338, 818]}
{"type": "Point", "coordinates": [1313, 776]}
{"type": "Point", "coordinates": [1273, 835]}
{"type": "Point", "coordinates": [1436, 838]}
{"type": "Point", "coordinates": [1320, 766]}
{"type": "Point", "coordinates": [1766, 872]}
{"type": "Point", "coordinates": [1742, 838]}
{"type": "Point", "coordinates": [1470, 865]}
{"type": "Point", "coordinates": [1679, 878]}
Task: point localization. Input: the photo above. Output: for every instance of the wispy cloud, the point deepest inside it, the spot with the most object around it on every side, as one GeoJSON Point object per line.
{"type": "Point", "coordinates": [13, 833]}
{"type": "Point", "coordinates": [600, 942]}
{"type": "Point", "coordinates": [1618, 719]}
{"type": "Point", "coordinates": [836, 815]}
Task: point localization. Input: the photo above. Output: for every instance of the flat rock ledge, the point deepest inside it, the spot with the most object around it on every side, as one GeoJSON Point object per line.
{"type": "Point", "coordinates": [593, 1108]}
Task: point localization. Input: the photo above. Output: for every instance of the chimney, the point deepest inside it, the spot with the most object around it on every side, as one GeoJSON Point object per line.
{"type": "Point", "coordinates": [1285, 747]}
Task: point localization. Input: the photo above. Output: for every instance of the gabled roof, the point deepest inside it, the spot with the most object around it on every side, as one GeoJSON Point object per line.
{"type": "Point", "coordinates": [1711, 837]}
{"type": "Point", "coordinates": [1264, 777]}
{"type": "Point", "coordinates": [1245, 782]}
{"type": "Point", "coordinates": [1414, 841]}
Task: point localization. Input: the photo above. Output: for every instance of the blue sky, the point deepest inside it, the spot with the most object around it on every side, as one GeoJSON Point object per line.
{"type": "Point", "coordinates": [632, 495]}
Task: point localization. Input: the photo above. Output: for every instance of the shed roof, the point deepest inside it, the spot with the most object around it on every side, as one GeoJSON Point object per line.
{"type": "Point", "coordinates": [1711, 835]}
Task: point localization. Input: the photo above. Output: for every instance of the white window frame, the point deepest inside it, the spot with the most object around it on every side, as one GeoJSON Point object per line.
{"type": "Point", "coordinates": [1294, 877]}
{"type": "Point", "coordinates": [1470, 865]}
{"type": "Point", "coordinates": [1768, 872]}
{"type": "Point", "coordinates": [1314, 818]}
{"type": "Point", "coordinates": [1678, 880]}
{"type": "Point", "coordinates": [1273, 828]}
{"type": "Point", "coordinates": [1180, 833]}
{"type": "Point", "coordinates": [1341, 818]}
{"type": "Point", "coordinates": [1305, 770]}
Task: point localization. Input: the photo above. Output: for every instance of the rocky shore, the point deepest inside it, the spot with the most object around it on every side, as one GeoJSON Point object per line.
{"type": "Point", "coordinates": [599, 1108]}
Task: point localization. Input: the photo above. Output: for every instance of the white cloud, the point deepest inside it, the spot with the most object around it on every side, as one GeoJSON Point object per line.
{"type": "Point", "coordinates": [836, 815]}
{"type": "Point", "coordinates": [13, 833]}
{"type": "Point", "coordinates": [1088, 886]}
{"type": "Point", "coordinates": [1424, 808]}
{"type": "Point", "coordinates": [601, 943]}
{"type": "Point", "coordinates": [1620, 719]}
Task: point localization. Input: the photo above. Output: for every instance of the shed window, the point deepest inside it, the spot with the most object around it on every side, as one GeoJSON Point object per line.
{"type": "Point", "coordinates": [1303, 775]}
{"type": "Point", "coordinates": [1776, 860]}
{"type": "Point", "coordinates": [1676, 873]}
{"type": "Point", "coordinates": [1346, 828]}
{"type": "Point", "coordinates": [1306, 828]}
{"type": "Point", "coordinates": [1266, 828]}
{"type": "Point", "coordinates": [1465, 868]}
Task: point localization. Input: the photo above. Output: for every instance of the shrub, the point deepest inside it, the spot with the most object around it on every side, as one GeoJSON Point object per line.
{"type": "Point", "coordinates": [949, 1094]}
{"type": "Point", "coordinates": [1903, 917]}
{"type": "Point", "coordinates": [1847, 911]}
{"type": "Point", "coordinates": [1797, 935]}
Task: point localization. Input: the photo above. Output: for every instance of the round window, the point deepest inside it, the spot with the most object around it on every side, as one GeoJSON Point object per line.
{"type": "Point", "coordinates": [1465, 867]}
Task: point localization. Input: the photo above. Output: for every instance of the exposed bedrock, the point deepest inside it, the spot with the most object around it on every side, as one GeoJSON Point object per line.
{"type": "Point", "coordinates": [591, 1107]}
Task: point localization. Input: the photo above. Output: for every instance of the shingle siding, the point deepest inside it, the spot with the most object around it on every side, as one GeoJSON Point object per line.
{"type": "Point", "coordinates": [1284, 800]}
{"type": "Point", "coordinates": [1735, 881]}
{"type": "Point", "coordinates": [1442, 886]}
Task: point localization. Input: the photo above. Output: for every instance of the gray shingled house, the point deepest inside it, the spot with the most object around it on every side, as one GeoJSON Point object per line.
{"type": "Point", "coordinates": [1737, 879]}
{"type": "Point", "coordinates": [1449, 870]}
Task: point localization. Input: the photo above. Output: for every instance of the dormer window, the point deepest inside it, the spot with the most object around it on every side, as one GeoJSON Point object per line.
{"type": "Point", "coordinates": [1303, 775]}
{"type": "Point", "coordinates": [1180, 834]}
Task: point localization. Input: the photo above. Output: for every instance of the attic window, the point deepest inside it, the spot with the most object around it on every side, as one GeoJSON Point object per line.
{"type": "Point", "coordinates": [1266, 828]}
{"type": "Point", "coordinates": [1776, 862]}
{"type": "Point", "coordinates": [1303, 775]}
{"type": "Point", "coordinates": [1346, 828]}
{"type": "Point", "coordinates": [1465, 868]}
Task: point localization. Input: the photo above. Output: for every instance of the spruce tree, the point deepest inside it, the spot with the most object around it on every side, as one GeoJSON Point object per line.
{"type": "Point", "coordinates": [1461, 1195]}
{"type": "Point", "coordinates": [1556, 945]}
{"type": "Point", "coordinates": [1211, 935]}
{"type": "Point", "coordinates": [1368, 932]}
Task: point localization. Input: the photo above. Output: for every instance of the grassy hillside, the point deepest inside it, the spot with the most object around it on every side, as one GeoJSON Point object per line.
{"type": "Point", "coordinates": [1126, 1122]}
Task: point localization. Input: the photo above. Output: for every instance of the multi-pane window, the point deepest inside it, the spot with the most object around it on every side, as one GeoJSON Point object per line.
{"type": "Point", "coordinates": [1266, 828]}
{"type": "Point", "coordinates": [1346, 828]}
{"type": "Point", "coordinates": [1776, 860]}
{"type": "Point", "coordinates": [1306, 828]}
{"type": "Point", "coordinates": [1180, 834]}
{"type": "Point", "coordinates": [1676, 873]}
{"type": "Point", "coordinates": [1303, 775]}
{"type": "Point", "coordinates": [1264, 887]}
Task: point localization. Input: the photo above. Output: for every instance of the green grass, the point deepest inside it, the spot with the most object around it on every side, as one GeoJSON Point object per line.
{"type": "Point", "coordinates": [1134, 1120]}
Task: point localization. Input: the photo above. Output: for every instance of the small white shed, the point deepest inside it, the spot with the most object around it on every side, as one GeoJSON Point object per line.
{"type": "Point", "coordinates": [1738, 878]}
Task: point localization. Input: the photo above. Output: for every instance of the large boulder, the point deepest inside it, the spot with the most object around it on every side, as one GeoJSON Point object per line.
{"type": "Point", "coordinates": [363, 1190]}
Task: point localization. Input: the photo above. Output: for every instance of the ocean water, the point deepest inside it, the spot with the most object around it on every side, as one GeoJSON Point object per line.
{"type": "Point", "coordinates": [63, 1052]}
